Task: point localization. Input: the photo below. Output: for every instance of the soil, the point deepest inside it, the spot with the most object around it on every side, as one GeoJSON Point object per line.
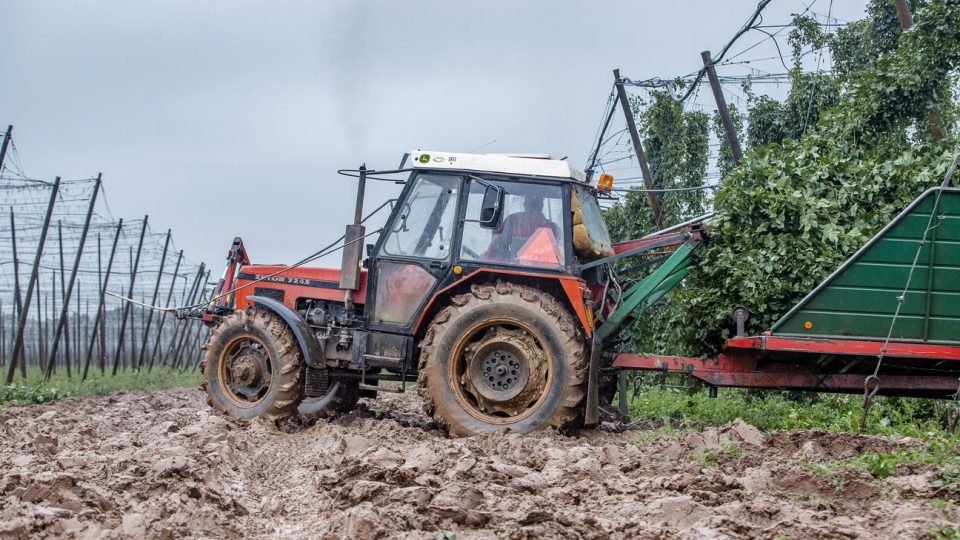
{"type": "Point", "coordinates": [165, 465]}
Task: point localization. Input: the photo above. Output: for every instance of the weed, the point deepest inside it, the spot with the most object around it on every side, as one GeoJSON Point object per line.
{"type": "Point", "coordinates": [732, 449]}
{"type": "Point", "coordinates": [706, 457]}
{"type": "Point", "coordinates": [880, 465]}
{"type": "Point", "coordinates": [942, 504]}
{"type": "Point", "coordinates": [945, 532]}
{"type": "Point", "coordinates": [772, 410]}
{"type": "Point", "coordinates": [35, 390]}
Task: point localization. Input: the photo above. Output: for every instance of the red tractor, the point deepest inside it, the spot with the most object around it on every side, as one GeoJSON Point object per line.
{"type": "Point", "coordinates": [495, 287]}
{"type": "Point", "coordinates": [481, 287]}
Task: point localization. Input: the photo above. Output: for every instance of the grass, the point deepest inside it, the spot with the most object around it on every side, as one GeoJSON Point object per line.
{"type": "Point", "coordinates": [34, 390]}
{"type": "Point", "coordinates": [771, 410]}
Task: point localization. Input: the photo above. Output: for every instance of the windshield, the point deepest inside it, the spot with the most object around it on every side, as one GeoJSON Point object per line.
{"type": "Point", "coordinates": [424, 225]}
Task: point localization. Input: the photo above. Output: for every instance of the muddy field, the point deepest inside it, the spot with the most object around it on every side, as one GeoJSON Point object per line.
{"type": "Point", "coordinates": [163, 465]}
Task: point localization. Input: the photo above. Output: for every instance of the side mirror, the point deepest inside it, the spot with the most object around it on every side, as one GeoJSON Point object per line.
{"type": "Point", "coordinates": [369, 250]}
{"type": "Point", "coordinates": [491, 207]}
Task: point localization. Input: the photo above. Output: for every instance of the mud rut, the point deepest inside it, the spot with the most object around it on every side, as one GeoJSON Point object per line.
{"type": "Point", "coordinates": [164, 465]}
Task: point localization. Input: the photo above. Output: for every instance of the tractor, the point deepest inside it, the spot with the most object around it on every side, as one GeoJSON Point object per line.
{"type": "Point", "coordinates": [482, 288]}
{"type": "Point", "coordinates": [494, 287]}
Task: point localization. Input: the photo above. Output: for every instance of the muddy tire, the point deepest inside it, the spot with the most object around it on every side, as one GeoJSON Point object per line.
{"type": "Point", "coordinates": [252, 366]}
{"type": "Point", "coordinates": [503, 357]}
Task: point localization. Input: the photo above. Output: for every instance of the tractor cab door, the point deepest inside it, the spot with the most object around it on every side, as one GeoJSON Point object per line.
{"type": "Point", "coordinates": [414, 253]}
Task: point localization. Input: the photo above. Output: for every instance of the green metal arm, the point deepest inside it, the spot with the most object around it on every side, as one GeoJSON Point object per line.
{"type": "Point", "coordinates": [644, 294]}
{"type": "Point", "coordinates": [634, 302]}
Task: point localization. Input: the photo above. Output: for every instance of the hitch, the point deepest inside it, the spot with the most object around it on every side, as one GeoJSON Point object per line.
{"type": "Point", "coordinates": [236, 257]}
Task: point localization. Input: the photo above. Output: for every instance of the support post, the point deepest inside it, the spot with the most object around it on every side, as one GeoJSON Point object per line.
{"type": "Point", "coordinates": [17, 299]}
{"type": "Point", "coordinates": [126, 305]}
{"type": "Point", "coordinates": [178, 329]}
{"type": "Point", "coordinates": [99, 324]}
{"type": "Point", "coordinates": [191, 323]}
{"type": "Point", "coordinates": [622, 393]}
{"type": "Point", "coordinates": [6, 143]}
{"type": "Point", "coordinates": [638, 149]}
{"type": "Point", "coordinates": [18, 344]}
{"type": "Point", "coordinates": [73, 277]}
{"type": "Point", "coordinates": [65, 313]}
{"type": "Point", "coordinates": [725, 117]}
{"type": "Point", "coordinates": [163, 316]}
{"type": "Point", "coordinates": [153, 302]}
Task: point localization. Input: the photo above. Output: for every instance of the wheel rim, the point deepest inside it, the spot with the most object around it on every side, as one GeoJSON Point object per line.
{"type": "Point", "coordinates": [244, 371]}
{"type": "Point", "coordinates": [500, 371]}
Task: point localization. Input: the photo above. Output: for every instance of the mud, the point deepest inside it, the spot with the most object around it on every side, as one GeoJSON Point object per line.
{"type": "Point", "coordinates": [163, 465]}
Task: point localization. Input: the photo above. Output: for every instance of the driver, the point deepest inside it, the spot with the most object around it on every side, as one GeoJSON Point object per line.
{"type": "Point", "coordinates": [517, 228]}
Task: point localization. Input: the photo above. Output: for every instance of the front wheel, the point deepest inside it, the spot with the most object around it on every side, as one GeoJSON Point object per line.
{"type": "Point", "coordinates": [503, 357]}
{"type": "Point", "coordinates": [252, 366]}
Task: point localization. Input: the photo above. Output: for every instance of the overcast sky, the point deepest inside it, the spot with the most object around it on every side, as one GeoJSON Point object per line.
{"type": "Point", "coordinates": [230, 118]}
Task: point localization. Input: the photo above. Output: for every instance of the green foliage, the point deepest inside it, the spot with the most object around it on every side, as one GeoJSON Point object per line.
{"type": "Point", "coordinates": [34, 390]}
{"type": "Point", "coordinates": [771, 410]}
{"type": "Point", "coordinates": [725, 158]}
{"type": "Point", "coordinates": [773, 122]}
{"type": "Point", "coordinates": [945, 532]}
{"type": "Point", "coordinates": [880, 465]}
{"type": "Point", "coordinates": [823, 170]}
{"type": "Point", "coordinates": [676, 143]}
{"type": "Point", "coordinates": [795, 209]}
{"type": "Point", "coordinates": [677, 146]}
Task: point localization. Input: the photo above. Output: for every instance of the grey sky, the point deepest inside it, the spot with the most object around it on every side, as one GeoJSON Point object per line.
{"type": "Point", "coordinates": [231, 118]}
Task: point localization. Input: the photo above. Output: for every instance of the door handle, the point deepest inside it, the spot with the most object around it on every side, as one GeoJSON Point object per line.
{"type": "Point", "coordinates": [437, 264]}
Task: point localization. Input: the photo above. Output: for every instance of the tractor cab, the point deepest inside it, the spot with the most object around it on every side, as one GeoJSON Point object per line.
{"type": "Point", "coordinates": [461, 217]}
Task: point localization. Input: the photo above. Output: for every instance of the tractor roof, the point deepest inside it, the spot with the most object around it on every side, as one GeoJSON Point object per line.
{"type": "Point", "coordinates": [520, 164]}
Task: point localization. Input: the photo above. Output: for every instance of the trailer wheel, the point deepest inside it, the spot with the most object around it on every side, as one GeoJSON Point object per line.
{"type": "Point", "coordinates": [252, 366]}
{"type": "Point", "coordinates": [503, 357]}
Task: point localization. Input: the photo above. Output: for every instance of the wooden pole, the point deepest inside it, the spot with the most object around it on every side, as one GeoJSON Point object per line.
{"type": "Point", "coordinates": [17, 299]}
{"type": "Point", "coordinates": [6, 142]}
{"type": "Point", "coordinates": [64, 320]}
{"type": "Point", "coordinates": [126, 305]}
{"type": "Point", "coordinates": [153, 301]}
{"type": "Point", "coordinates": [100, 324]}
{"type": "Point", "coordinates": [183, 325]}
{"type": "Point", "coordinates": [728, 126]}
{"type": "Point", "coordinates": [638, 149]}
{"type": "Point", "coordinates": [73, 277]}
{"type": "Point", "coordinates": [18, 344]}
{"type": "Point", "coordinates": [163, 316]}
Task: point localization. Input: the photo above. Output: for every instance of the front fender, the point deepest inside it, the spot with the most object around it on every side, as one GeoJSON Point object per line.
{"type": "Point", "coordinates": [309, 345]}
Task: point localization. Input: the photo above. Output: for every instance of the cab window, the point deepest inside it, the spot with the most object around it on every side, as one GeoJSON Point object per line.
{"type": "Point", "coordinates": [529, 233]}
{"type": "Point", "coordinates": [424, 226]}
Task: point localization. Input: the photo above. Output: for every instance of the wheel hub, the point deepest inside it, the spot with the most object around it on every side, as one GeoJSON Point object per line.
{"type": "Point", "coordinates": [505, 371]}
{"type": "Point", "coordinates": [498, 372]}
{"type": "Point", "coordinates": [248, 372]}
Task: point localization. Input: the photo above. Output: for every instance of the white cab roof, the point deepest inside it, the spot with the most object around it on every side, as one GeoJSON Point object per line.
{"type": "Point", "coordinates": [520, 164]}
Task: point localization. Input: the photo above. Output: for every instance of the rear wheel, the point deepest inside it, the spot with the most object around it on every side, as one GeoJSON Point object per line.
{"type": "Point", "coordinates": [252, 366]}
{"type": "Point", "coordinates": [503, 357]}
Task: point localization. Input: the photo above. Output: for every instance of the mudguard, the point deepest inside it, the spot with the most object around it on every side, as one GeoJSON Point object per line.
{"type": "Point", "coordinates": [309, 346]}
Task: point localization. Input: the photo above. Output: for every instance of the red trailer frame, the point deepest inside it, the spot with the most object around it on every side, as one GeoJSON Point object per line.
{"type": "Point", "coordinates": [793, 362]}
